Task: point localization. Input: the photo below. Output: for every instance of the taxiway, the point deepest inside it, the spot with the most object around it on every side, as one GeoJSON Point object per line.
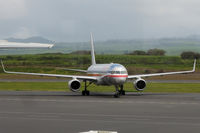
{"type": "Point", "coordinates": [64, 112]}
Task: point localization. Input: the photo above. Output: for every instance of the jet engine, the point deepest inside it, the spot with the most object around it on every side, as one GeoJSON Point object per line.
{"type": "Point", "coordinates": [74, 85]}
{"type": "Point", "coordinates": [139, 84]}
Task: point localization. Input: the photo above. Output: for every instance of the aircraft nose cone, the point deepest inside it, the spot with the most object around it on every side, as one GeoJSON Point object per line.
{"type": "Point", "coordinates": [119, 80]}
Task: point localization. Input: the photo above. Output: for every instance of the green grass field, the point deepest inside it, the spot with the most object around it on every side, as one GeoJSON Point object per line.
{"type": "Point", "coordinates": [62, 86]}
{"type": "Point", "coordinates": [51, 63]}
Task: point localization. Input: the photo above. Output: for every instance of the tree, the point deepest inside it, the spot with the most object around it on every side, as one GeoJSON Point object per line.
{"type": "Point", "coordinates": [158, 52]}
{"type": "Point", "coordinates": [190, 55]}
{"type": "Point", "coordinates": [138, 52]}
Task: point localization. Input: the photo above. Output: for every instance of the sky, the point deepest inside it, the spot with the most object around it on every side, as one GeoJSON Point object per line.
{"type": "Point", "coordinates": [73, 20]}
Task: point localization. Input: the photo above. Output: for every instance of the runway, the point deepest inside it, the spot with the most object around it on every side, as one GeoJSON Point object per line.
{"type": "Point", "coordinates": [64, 112]}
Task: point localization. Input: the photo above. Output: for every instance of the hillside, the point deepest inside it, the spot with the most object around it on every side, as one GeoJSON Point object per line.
{"type": "Point", "coordinates": [173, 46]}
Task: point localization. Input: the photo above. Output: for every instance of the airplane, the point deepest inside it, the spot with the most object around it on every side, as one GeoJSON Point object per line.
{"type": "Point", "coordinates": [4, 44]}
{"type": "Point", "coordinates": [104, 74]}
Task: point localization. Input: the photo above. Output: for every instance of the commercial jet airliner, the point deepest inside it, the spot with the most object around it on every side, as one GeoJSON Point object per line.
{"type": "Point", "coordinates": [104, 74]}
{"type": "Point", "coordinates": [4, 44]}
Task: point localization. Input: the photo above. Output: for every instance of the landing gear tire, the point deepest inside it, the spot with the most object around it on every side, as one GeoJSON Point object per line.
{"type": "Point", "coordinates": [117, 95]}
{"type": "Point", "coordinates": [122, 92]}
{"type": "Point", "coordinates": [85, 93]}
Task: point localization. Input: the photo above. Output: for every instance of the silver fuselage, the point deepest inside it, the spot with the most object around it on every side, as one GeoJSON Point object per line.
{"type": "Point", "coordinates": [108, 74]}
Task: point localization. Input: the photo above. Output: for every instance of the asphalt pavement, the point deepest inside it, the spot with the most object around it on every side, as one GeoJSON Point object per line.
{"type": "Point", "coordinates": [66, 112]}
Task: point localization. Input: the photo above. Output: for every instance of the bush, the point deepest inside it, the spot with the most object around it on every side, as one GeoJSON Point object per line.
{"type": "Point", "coordinates": [81, 52]}
{"type": "Point", "coordinates": [157, 52]}
{"type": "Point", "coordinates": [138, 52]}
{"type": "Point", "coordinates": [190, 55]}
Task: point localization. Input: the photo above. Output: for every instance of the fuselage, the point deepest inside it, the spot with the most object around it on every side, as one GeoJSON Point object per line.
{"type": "Point", "coordinates": [108, 74]}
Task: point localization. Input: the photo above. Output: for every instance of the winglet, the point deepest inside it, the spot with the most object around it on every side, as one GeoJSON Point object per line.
{"type": "Point", "coordinates": [92, 49]}
{"type": "Point", "coordinates": [194, 66]}
{"type": "Point", "coordinates": [3, 66]}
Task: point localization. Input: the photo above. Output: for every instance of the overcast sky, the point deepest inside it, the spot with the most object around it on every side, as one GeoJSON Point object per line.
{"type": "Point", "coordinates": [73, 20]}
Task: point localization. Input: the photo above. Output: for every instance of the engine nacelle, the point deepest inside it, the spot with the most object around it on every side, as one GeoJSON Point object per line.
{"type": "Point", "coordinates": [74, 85]}
{"type": "Point", "coordinates": [139, 84]}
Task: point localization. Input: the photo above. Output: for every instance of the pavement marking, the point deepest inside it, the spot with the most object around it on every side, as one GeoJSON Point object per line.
{"type": "Point", "coordinates": [99, 132]}
{"type": "Point", "coordinates": [143, 117]}
{"type": "Point", "coordinates": [100, 101]}
{"type": "Point", "coordinates": [133, 121]}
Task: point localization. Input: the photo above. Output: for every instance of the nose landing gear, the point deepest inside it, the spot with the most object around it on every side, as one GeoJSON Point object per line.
{"type": "Point", "coordinates": [122, 91]}
{"type": "Point", "coordinates": [119, 92]}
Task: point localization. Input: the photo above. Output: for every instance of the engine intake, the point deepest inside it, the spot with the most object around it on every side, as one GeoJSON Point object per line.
{"type": "Point", "coordinates": [139, 84]}
{"type": "Point", "coordinates": [74, 85]}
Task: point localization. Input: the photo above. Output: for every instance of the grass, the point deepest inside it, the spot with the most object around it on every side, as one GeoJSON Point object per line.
{"type": "Point", "coordinates": [51, 63]}
{"type": "Point", "coordinates": [174, 87]}
{"type": "Point", "coordinates": [62, 86]}
{"type": "Point", "coordinates": [33, 86]}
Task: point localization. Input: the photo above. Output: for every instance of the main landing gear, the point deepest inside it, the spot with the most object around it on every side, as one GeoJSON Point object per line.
{"type": "Point", "coordinates": [85, 92]}
{"type": "Point", "coordinates": [122, 91]}
{"type": "Point", "coordinates": [119, 92]}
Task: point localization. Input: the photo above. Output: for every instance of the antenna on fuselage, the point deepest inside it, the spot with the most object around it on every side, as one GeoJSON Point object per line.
{"type": "Point", "coordinates": [92, 49]}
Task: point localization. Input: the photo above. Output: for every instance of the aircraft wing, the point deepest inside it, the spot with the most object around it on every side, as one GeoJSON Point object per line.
{"type": "Point", "coordinates": [51, 75]}
{"type": "Point", "coordinates": [77, 70]}
{"type": "Point", "coordinates": [162, 74]}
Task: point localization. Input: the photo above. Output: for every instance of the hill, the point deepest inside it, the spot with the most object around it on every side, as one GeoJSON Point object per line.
{"type": "Point", "coordinates": [172, 46]}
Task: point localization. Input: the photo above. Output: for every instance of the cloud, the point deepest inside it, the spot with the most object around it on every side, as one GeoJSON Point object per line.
{"type": "Point", "coordinates": [12, 9]}
{"type": "Point", "coordinates": [73, 20]}
{"type": "Point", "coordinates": [23, 32]}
